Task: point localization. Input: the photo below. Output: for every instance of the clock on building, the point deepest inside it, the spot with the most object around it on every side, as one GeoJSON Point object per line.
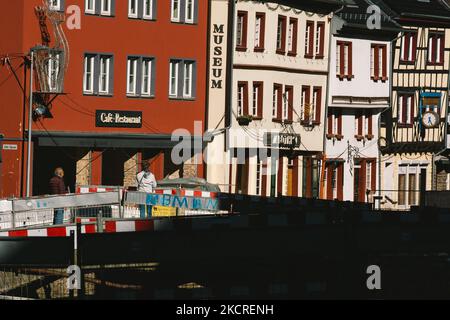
{"type": "Point", "coordinates": [430, 119]}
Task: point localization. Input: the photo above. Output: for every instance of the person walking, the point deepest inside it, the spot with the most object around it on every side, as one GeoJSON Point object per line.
{"type": "Point", "coordinates": [146, 182]}
{"type": "Point", "coordinates": [56, 187]}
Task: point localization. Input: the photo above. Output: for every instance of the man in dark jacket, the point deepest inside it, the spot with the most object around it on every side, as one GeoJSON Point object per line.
{"type": "Point", "coordinates": [57, 186]}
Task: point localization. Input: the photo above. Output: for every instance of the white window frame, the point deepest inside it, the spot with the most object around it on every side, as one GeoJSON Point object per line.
{"type": "Point", "coordinates": [104, 73]}
{"type": "Point", "coordinates": [410, 47]}
{"type": "Point", "coordinates": [54, 7]}
{"type": "Point", "coordinates": [104, 12]}
{"type": "Point", "coordinates": [146, 91]}
{"type": "Point", "coordinates": [315, 95]}
{"type": "Point", "coordinates": [285, 113]}
{"type": "Point", "coordinates": [275, 105]}
{"type": "Point", "coordinates": [192, 11]}
{"type": "Point", "coordinates": [255, 99]}
{"type": "Point", "coordinates": [240, 100]}
{"type": "Point", "coordinates": [408, 108]}
{"type": "Point", "coordinates": [174, 68]}
{"type": "Point", "coordinates": [319, 31]}
{"type": "Point", "coordinates": [308, 32]}
{"type": "Point", "coordinates": [132, 85]}
{"type": "Point", "coordinates": [239, 30]}
{"type": "Point", "coordinates": [279, 34]}
{"type": "Point", "coordinates": [175, 17]}
{"type": "Point", "coordinates": [88, 60]}
{"type": "Point", "coordinates": [148, 7]}
{"type": "Point", "coordinates": [132, 14]}
{"type": "Point", "coordinates": [258, 25]}
{"type": "Point", "coordinates": [188, 78]}
{"type": "Point", "coordinates": [87, 4]}
{"type": "Point", "coordinates": [290, 42]}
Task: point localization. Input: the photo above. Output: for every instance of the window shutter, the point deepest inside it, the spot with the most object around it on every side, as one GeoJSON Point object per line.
{"type": "Point", "coordinates": [322, 39]}
{"type": "Point", "coordinates": [384, 61]}
{"type": "Point", "coordinates": [374, 176]}
{"type": "Point", "coordinates": [330, 121]}
{"type": "Point", "coordinates": [369, 121]}
{"type": "Point", "coordinates": [340, 181]}
{"type": "Point", "coordinates": [294, 36]}
{"type": "Point", "coordinates": [411, 108]}
{"type": "Point", "coordinates": [414, 46]}
{"type": "Point", "coordinates": [360, 122]}
{"type": "Point", "coordinates": [291, 104]}
{"type": "Point", "coordinates": [376, 61]}
{"type": "Point", "coordinates": [245, 111]}
{"type": "Point", "coordinates": [339, 115]}
{"type": "Point", "coordinates": [441, 51]}
{"type": "Point", "coordinates": [404, 100]}
{"type": "Point", "coordinates": [279, 102]}
{"type": "Point", "coordinates": [318, 103]}
{"type": "Point", "coordinates": [283, 34]}
{"type": "Point", "coordinates": [260, 99]}
{"type": "Point", "coordinates": [311, 39]}
{"type": "Point", "coordinates": [350, 59]}
{"type": "Point", "coordinates": [342, 59]}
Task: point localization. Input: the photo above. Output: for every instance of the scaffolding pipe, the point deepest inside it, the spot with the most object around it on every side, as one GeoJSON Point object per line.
{"type": "Point", "coordinates": [30, 123]}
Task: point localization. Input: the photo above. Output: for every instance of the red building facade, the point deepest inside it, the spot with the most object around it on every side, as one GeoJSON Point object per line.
{"type": "Point", "coordinates": [137, 72]}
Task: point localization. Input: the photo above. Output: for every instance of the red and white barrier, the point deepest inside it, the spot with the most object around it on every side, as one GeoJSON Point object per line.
{"type": "Point", "coordinates": [94, 189]}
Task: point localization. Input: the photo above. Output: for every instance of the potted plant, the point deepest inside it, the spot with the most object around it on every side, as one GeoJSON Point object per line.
{"type": "Point", "coordinates": [244, 120]}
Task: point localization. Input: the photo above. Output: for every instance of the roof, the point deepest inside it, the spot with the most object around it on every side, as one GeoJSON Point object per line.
{"type": "Point", "coordinates": [356, 14]}
{"type": "Point", "coordinates": [421, 12]}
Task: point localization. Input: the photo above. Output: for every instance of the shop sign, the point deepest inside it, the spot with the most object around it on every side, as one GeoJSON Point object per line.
{"type": "Point", "coordinates": [282, 140]}
{"type": "Point", "coordinates": [118, 119]}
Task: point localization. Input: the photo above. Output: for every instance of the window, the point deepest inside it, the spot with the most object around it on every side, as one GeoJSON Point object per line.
{"type": "Point", "coordinates": [317, 105]}
{"type": "Point", "coordinates": [140, 77]}
{"type": "Point", "coordinates": [281, 35]}
{"type": "Point", "coordinates": [258, 176]}
{"type": "Point", "coordinates": [408, 185]}
{"type": "Point", "coordinates": [188, 79]}
{"type": "Point", "coordinates": [436, 48]}
{"type": "Point", "coordinates": [277, 102]}
{"type": "Point", "coordinates": [132, 75]}
{"type": "Point", "coordinates": [105, 66]}
{"type": "Point", "coordinates": [241, 31]}
{"type": "Point", "coordinates": [174, 71]}
{"type": "Point", "coordinates": [260, 25]}
{"type": "Point", "coordinates": [55, 5]}
{"type": "Point", "coordinates": [409, 47]}
{"type": "Point", "coordinates": [98, 70]}
{"type": "Point", "coordinates": [292, 37]}
{"type": "Point", "coordinates": [309, 39]}
{"type": "Point", "coordinates": [105, 7]}
{"type": "Point", "coordinates": [405, 108]}
{"type": "Point", "coordinates": [344, 60]}
{"type": "Point", "coordinates": [320, 40]}
{"type": "Point", "coordinates": [334, 125]}
{"type": "Point", "coordinates": [175, 11]}
{"type": "Point", "coordinates": [378, 62]}
{"type": "Point", "coordinates": [242, 103]}
{"type": "Point", "coordinates": [184, 11]}
{"type": "Point", "coordinates": [368, 124]}
{"type": "Point", "coordinates": [307, 108]}
{"type": "Point", "coordinates": [148, 10]}
{"type": "Point", "coordinates": [189, 11]}
{"type": "Point", "coordinates": [88, 83]}
{"type": "Point", "coordinates": [257, 100]}
{"type": "Point", "coordinates": [288, 103]}
{"type": "Point", "coordinates": [182, 79]}
{"type": "Point", "coordinates": [147, 85]}
{"type": "Point", "coordinates": [90, 6]}
{"type": "Point", "coordinates": [53, 72]}
{"type": "Point", "coordinates": [132, 8]}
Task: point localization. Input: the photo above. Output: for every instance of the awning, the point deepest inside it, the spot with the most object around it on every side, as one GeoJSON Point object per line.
{"type": "Point", "coordinates": [108, 140]}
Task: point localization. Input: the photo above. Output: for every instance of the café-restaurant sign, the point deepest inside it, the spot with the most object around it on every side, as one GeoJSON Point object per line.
{"type": "Point", "coordinates": [282, 140]}
{"type": "Point", "coordinates": [118, 119]}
